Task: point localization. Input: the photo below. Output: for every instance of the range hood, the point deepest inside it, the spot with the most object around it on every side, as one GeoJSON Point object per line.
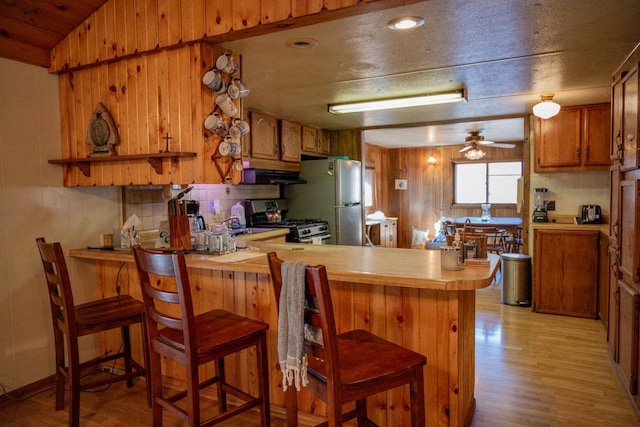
{"type": "Point", "coordinates": [265, 176]}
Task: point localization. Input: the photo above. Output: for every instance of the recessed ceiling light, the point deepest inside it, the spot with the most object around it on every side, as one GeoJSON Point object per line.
{"type": "Point", "coordinates": [405, 23]}
{"type": "Point", "coordinates": [302, 43]}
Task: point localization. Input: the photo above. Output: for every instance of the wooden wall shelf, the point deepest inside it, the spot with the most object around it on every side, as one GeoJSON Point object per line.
{"type": "Point", "coordinates": [155, 160]}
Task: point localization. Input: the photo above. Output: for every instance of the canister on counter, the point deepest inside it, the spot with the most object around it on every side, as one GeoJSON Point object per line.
{"type": "Point", "coordinates": [469, 250]}
{"type": "Point", "coordinates": [449, 257]}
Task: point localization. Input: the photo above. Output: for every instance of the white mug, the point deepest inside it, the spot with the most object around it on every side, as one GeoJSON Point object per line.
{"type": "Point", "coordinates": [215, 123]}
{"type": "Point", "coordinates": [226, 64]}
{"type": "Point", "coordinates": [226, 105]}
{"type": "Point", "coordinates": [239, 128]}
{"type": "Point", "coordinates": [213, 80]}
{"type": "Point", "coordinates": [228, 147]}
{"type": "Point", "coordinates": [237, 89]}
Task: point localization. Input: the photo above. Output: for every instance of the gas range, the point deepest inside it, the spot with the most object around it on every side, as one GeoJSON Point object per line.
{"type": "Point", "coordinates": [271, 213]}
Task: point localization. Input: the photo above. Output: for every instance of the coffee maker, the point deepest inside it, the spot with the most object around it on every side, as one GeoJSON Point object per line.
{"type": "Point", "coordinates": [540, 197]}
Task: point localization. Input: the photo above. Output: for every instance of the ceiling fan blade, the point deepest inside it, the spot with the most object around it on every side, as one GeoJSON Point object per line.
{"type": "Point", "coordinates": [484, 142]}
{"type": "Point", "coordinates": [468, 147]}
{"type": "Point", "coordinates": [500, 145]}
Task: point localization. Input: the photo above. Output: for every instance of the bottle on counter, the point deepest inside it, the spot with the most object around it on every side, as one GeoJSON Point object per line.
{"type": "Point", "coordinates": [237, 210]}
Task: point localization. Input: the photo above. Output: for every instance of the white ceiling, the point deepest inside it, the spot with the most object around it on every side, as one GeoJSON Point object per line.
{"type": "Point", "coordinates": [505, 53]}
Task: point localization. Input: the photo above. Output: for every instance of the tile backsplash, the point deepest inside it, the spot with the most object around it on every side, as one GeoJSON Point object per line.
{"type": "Point", "coordinates": [149, 202]}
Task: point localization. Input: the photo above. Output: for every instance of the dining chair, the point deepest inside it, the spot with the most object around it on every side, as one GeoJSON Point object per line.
{"type": "Point", "coordinates": [74, 321]}
{"type": "Point", "coordinates": [351, 366]}
{"type": "Point", "coordinates": [175, 332]}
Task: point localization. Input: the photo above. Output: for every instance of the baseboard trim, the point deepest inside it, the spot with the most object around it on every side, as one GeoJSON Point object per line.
{"type": "Point", "coordinates": [27, 390]}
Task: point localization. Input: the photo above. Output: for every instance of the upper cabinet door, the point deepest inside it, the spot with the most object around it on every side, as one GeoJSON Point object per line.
{"type": "Point", "coordinates": [629, 137]}
{"type": "Point", "coordinates": [264, 137]}
{"type": "Point", "coordinates": [577, 139]}
{"type": "Point", "coordinates": [629, 228]}
{"type": "Point", "coordinates": [596, 136]}
{"type": "Point", "coordinates": [290, 140]}
{"type": "Point", "coordinates": [557, 140]}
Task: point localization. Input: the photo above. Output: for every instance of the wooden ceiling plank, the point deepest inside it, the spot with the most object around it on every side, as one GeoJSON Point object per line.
{"type": "Point", "coordinates": [36, 36]}
{"type": "Point", "coordinates": [24, 52]}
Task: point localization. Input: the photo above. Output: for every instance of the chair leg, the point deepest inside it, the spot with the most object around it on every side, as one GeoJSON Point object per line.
{"type": "Point", "coordinates": [222, 394]}
{"type": "Point", "coordinates": [263, 384]}
{"type": "Point", "coordinates": [74, 385]}
{"type": "Point", "coordinates": [361, 407]}
{"type": "Point", "coordinates": [291, 406]}
{"type": "Point", "coordinates": [193, 394]}
{"type": "Point", "coordinates": [60, 367]}
{"type": "Point", "coordinates": [155, 377]}
{"type": "Point", "coordinates": [147, 360]}
{"type": "Point", "coordinates": [126, 343]}
{"type": "Point", "coordinates": [416, 392]}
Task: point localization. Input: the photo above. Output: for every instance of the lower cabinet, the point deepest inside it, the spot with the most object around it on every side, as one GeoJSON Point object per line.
{"type": "Point", "coordinates": [628, 336]}
{"type": "Point", "coordinates": [385, 233]}
{"type": "Point", "coordinates": [566, 272]}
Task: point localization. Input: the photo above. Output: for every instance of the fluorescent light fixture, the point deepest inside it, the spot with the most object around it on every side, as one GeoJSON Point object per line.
{"type": "Point", "coordinates": [546, 108]}
{"type": "Point", "coordinates": [388, 104]}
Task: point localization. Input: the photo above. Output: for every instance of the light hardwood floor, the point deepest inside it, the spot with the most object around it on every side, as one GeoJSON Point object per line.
{"type": "Point", "coordinates": [531, 370]}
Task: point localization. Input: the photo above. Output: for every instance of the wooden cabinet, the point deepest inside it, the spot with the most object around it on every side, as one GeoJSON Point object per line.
{"type": "Point", "coordinates": [627, 139]}
{"type": "Point", "coordinates": [603, 279]}
{"type": "Point", "coordinates": [315, 141]}
{"type": "Point", "coordinates": [264, 136]}
{"type": "Point", "coordinates": [274, 144]}
{"type": "Point", "coordinates": [290, 141]}
{"type": "Point", "coordinates": [578, 138]}
{"type": "Point", "coordinates": [385, 233]}
{"type": "Point", "coordinates": [628, 228]}
{"type": "Point", "coordinates": [566, 272]}
{"type": "Point", "coordinates": [628, 336]}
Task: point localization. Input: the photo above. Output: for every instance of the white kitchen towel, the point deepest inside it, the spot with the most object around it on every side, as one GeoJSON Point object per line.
{"type": "Point", "coordinates": [316, 240]}
{"type": "Point", "coordinates": [291, 354]}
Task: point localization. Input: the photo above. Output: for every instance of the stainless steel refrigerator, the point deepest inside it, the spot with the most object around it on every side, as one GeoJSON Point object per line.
{"type": "Point", "coordinates": [333, 193]}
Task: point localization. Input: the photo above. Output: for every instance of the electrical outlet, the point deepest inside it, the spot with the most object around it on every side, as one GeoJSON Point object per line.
{"type": "Point", "coordinates": [550, 205]}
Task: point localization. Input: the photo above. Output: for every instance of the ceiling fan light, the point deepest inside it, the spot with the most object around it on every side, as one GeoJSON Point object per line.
{"type": "Point", "coordinates": [546, 108]}
{"type": "Point", "coordinates": [474, 154]}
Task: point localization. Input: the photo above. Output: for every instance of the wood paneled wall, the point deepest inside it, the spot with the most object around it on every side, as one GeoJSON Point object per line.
{"type": "Point", "coordinates": [429, 193]}
{"type": "Point", "coordinates": [149, 96]}
{"type": "Point", "coordinates": [126, 27]}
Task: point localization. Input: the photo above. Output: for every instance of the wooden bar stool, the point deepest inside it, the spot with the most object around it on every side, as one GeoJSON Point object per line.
{"type": "Point", "coordinates": [192, 341]}
{"type": "Point", "coordinates": [350, 366]}
{"type": "Point", "coordinates": [84, 319]}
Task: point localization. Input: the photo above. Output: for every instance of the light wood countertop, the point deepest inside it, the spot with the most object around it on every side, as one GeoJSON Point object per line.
{"type": "Point", "coordinates": [409, 268]}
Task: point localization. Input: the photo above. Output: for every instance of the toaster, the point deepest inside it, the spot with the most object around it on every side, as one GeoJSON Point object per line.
{"type": "Point", "coordinates": [590, 214]}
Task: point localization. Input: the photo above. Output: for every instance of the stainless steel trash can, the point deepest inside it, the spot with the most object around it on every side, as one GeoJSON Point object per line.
{"type": "Point", "coordinates": [516, 279]}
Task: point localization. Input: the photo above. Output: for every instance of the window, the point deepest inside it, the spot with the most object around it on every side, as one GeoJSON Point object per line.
{"type": "Point", "coordinates": [495, 182]}
{"type": "Point", "coordinates": [370, 193]}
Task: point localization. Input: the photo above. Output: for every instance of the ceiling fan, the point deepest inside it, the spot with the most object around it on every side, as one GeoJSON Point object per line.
{"type": "Point", "coordinates": [474, 139]}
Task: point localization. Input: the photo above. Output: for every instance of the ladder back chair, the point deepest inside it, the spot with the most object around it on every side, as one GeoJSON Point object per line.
{"type": "Point", "coordinates": [351, 366]}
{"type": "Point", "coordinates": [74, 321]}
{"type": "Point", "coordinates": [194, 340]}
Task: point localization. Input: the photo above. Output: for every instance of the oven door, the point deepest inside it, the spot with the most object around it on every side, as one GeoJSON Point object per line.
{"type": "Point", "coordinates": [316, 240]}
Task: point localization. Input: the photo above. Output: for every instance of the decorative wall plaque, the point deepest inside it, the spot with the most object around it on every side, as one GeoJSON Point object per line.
{"type": "Point", "coordinates": [102, 135]}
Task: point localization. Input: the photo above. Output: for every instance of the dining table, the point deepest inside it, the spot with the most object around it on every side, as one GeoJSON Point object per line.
{"type": "Point", "coordinates": [509, 223]}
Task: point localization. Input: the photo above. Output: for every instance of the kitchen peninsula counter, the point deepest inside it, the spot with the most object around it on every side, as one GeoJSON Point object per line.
{"type": "Point", "coordinates": [399, 294]}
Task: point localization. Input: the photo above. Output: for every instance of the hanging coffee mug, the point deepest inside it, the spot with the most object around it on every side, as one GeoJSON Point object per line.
{"type": "Point", "coordinates": [226, 64]}
{"type": "Point", "coordinates": [237, 89]}
{"type": "Point", "coordinates": [213, 80]}
{"type": "Point", "coordinates": [226, 105]}
{"type": "Point", "coordinates": [229, 148]}
{"type": "Point", "coordinates": [239, 128]}
{"type": "Point", "coordinates": [215, 123]}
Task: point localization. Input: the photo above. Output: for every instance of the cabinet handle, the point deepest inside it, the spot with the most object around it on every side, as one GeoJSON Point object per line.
{"type": "Point", "coordinates": [619, 145]}
{"type": "Point", "coordinates": [630, 137]}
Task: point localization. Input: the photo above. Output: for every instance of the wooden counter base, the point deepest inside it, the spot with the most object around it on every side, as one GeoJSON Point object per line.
{"type": "Point", "coordinates": [413, 304]}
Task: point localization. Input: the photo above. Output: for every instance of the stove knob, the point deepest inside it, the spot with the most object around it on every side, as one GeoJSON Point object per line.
{"type": "Point", "coordinates": [324, 227]}
{"type": "Point", "coordinates": [307, 231]}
